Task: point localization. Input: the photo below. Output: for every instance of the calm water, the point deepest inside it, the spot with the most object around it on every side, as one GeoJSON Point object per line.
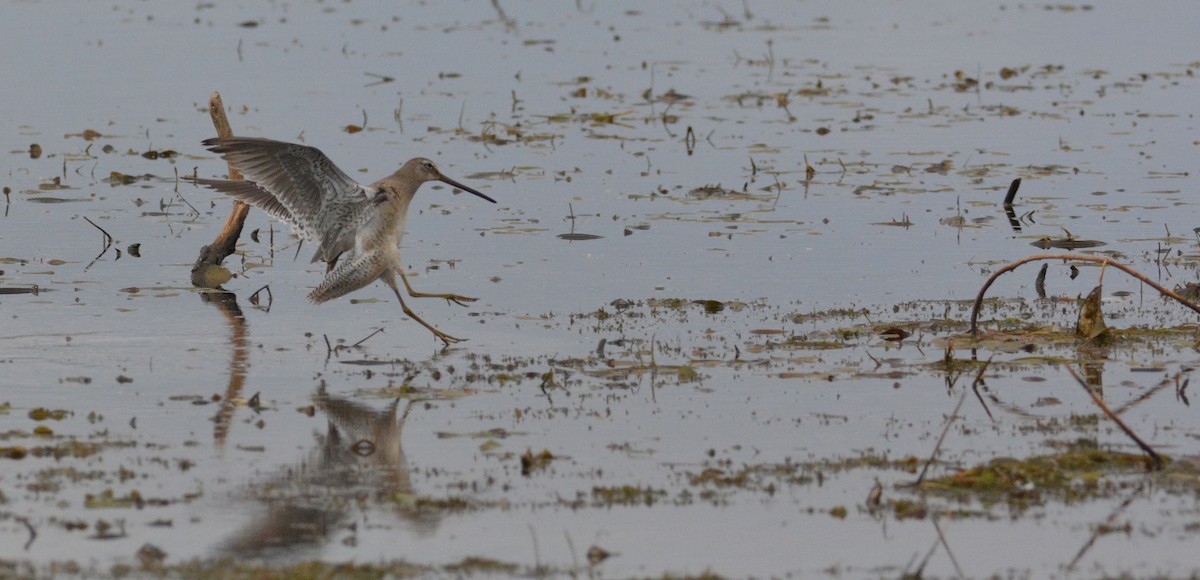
{"type": "Point", "coordinates": [569, 115]}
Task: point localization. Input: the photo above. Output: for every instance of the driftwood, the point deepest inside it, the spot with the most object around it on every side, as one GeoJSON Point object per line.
{"type": "Point", "coordinates": [1078, 258]}
{"type": "Point", "coordinates": [225, 244]}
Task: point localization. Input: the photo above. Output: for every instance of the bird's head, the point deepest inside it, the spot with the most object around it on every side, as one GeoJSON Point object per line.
{"type": "Point", "coordinates": [421, 170]}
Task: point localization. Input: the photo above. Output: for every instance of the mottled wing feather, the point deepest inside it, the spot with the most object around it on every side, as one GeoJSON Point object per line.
{"type": "Point", "coordinates": [303, 180]}
{"type": "Point", "coordinates": [340, 226]}
{"type": "Point", "coordinates": [254, 195]}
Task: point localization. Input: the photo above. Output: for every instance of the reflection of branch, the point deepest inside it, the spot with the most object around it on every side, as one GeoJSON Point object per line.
{"type": "Point", "coordinates": [1078, 258]}
{"type": "Point", "coordinates": [1158, 462]}
{"type": "Point", "coordinates": [227, 303]}
{"type": "Point", "coordinates": [108, 242]}
{"type": "Point", "coordinates": [25, 521]}
{"type": "Point", "coordinates": [1105, 527]}
{"type": "Point", "coordinates": [1142, 398]}
{"type": "Point", "coordinates": [949, 552]}
{"type": "Point", "coordinates": [510, 25]}
{"type": "Point", "coordinates": [975, 387]}
{"type": "Point", "coordinates": [938, 446]}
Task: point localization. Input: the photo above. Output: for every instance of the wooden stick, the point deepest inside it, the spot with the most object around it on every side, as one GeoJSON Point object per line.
{"type": "Point", "coordinates": [1012, 192]}
{"type": "Point", "coordinates": [226, 242]}
{"type": "Point", "coordinates": [1079, 258]}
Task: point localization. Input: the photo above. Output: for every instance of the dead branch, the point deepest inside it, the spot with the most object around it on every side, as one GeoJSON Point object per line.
{"type": "Point", "coordinates": [254, 299]}
{"type": "Point", "coordinates": [1078, 258]}
{"type": "Point", "coordinates": [368, 337]}
{"type": "Point", "coordinates": [226, 242]}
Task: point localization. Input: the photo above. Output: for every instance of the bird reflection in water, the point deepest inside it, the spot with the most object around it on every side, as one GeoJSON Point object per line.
{"type": "Point", "coordinates": [357, 463]}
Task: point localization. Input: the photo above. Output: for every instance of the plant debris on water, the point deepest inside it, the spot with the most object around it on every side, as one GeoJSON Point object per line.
{"type": "Point", "coordinates": [753, 273]}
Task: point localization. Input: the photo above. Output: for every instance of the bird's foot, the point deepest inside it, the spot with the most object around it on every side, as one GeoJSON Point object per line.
{"type": "Point", "coordinates": [455, 298]}
{"type": "Point", "coordinates": [446, 338]}
{"type": "Point", "coordinates": [459, 300]}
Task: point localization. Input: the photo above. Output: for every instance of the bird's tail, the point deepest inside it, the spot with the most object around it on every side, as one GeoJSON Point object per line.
{"type": "Point", "coordinates": [350, 275]}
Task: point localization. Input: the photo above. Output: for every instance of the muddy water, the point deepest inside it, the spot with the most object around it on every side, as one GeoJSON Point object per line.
{"type": "Point", "coordinates": [647, 158]}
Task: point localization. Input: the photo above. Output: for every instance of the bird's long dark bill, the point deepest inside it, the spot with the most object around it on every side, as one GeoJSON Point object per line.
{"type": "Point", "coordinates": [453, 183]}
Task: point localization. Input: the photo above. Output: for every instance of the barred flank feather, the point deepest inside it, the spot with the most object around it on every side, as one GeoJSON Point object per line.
{"type": "Point", "coordinates": [350, 275]}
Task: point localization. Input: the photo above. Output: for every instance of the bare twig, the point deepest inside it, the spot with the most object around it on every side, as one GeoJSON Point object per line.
{"type": "Point", "coordinates": [270, 297]}
{"type": "Point", "coordinates": [20, 290]}
{"type": "Point", "coordinates": [368, 337]}
{"type": "Point", "coordinates": [1012, 192]}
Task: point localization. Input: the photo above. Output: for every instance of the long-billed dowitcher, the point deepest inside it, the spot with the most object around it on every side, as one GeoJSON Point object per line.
{"type": "Point", "coordinates": [362, 224]}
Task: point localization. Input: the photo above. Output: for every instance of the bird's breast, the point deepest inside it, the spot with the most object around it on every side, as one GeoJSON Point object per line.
{"type": "Point", "coordinates": [382, 229]}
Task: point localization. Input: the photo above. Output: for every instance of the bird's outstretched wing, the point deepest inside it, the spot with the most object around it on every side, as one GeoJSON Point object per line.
{"type": "Point", "coordinates": [294, 183]}
{"type": "Point", "coordinates": [252, 194]}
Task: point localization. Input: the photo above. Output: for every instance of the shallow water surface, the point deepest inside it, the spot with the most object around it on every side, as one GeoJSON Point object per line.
{"type": "Point", "coordinates": [712, 218]}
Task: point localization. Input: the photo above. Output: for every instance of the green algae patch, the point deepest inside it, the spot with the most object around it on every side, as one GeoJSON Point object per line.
{"type": "Point", "coordinates": [432, 504]}
{"type": "Point", "coordinates": [14, 452]}
{"type": "Point", "coordinates": [64, 449]}
{"type": "Point", "coordinates": [42, 414]}
{"type": "Point", "coordinates": [626, 495]}
{"type": "Point", "coordinates": [756, 477]}
{"type": "Point", "coordinates": [830, 314]}
{"type": "Point", "coordinates": [1081, 471]}
{"type": "Point", "coordinates": [107, 499]}
{"type": "Point", "coordinates": [803, 343]}
{"type": "Point", "coordinates": [688, 374]}
{"type": "Point", "coordinates": [481, 565]}
{"type": "Point", "coordinates": [311, 570]}
{"type": "Point", "coordinates": [906, 509]}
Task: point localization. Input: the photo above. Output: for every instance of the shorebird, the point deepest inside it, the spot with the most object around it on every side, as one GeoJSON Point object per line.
{"type": "Point", "coordinates": [361, 224]}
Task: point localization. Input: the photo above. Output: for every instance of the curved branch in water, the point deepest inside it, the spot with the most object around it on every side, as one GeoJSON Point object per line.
{"type": "Point", "coordinates": [1078, 258]}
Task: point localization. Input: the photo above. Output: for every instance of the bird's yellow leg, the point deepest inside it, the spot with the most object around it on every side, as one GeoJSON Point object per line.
{"type": "Point", "coordinates": [455, 298]}
{"type": "Point", "coordinates": [446, 338]}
